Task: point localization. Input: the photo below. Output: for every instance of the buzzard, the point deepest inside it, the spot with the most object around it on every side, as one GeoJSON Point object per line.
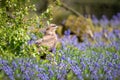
{"type": "Point", "coordinates": [49, 39]}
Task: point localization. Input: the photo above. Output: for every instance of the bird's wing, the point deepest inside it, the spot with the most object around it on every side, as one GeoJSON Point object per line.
{"type": "Point", "coordinates": [48, 38]}
{"type": "Point", "coordinates": [45, 39]}
{"type": "Point", "coordinates": [48, 41]}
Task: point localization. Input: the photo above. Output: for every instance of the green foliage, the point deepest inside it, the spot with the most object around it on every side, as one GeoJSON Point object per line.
{"type": "Point", "coordinates": [14, 28]}
{"type": "Point", "coordinates": [46, 16]}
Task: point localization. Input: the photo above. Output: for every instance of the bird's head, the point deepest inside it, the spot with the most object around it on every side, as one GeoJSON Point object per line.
{"type": "Point", "coordinates": [51, 29]}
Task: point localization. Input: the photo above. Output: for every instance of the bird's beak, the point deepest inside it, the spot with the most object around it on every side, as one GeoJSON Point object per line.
{"type": "Point", "coordinates": [56, 27]}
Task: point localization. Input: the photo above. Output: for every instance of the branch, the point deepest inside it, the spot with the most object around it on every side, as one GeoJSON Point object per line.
{"type": "Point", "coordinates": [71, 10]}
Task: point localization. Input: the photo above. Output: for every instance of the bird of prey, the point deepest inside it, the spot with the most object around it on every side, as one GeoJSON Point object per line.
{"type": "Point", "coordinates": [49, 39]}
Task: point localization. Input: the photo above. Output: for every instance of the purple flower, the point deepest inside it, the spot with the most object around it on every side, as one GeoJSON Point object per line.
{"type": "Point", "coordinates": [111, 36]}
{"type": "Point", "coordinates": [43, 76]}
{"type": "Point", "coordinates": [74, 40]}
{"type": "Point", "coordinates": [81, 46]}
{"type": "Point", "coordinates": [110, 77]}
{"type": "Point", "coordinates": [116, 31]}
{"type": "Point", "coordinates": [95, 20]}
{"type": "Point", "coordinates": [94, 72]}
{"type": "Point", "coordinates": [63, 57]}
{"type": "Point", "coordinates": [110, 64]}
{"type": "Point", "coordinates": [22, 68]}
{"type": "Point", "coordinates": [91, 68]}
{"type": "Point", "coordinates": [77, 71]}
{"type": "Point", "coordinates": [101, 56]}
{"type": "Point", "coordinates": [96, 65]}
{"type": "Point", "coordinates": [83, 65]}
{"type": "Point", "coordinates": [8, 70]}
{"type": "Point", "coordinates": [104, 21]}
{"type": "Point", "coordinates": [14, 65]}
{"type": "Point", "coordinates": [67, 32]}
{"type": "Point", "coordinates": [27, 64]}
{"type": "Point", "coordinates": [51, 73]}
{"type": "Point", "coordinates": [108, 72]}
{"type": "Point", "coordinates": [99, 44]}
{"type": "Point", "coordinates": [115, 56]}
{"type": "Point", "coordinates": [30, 42]}
{"type": "Point", "coordinates": [26, 75]}
{"type": "Point", "coordinates": [114, 21]}
{"type": "Point", "coordinates": [98, 36]}
{"type": "Point", "coordinates": [53, 50]}
{"type": "Point", "coordinates": [114, 73]}
{"type": "Point", "coordinates": [118, 14]}
{"type": "Point", "coordinates": [95, 77]}
{"type": "Point", "coordinates": [69, 60]}
{"type": "Point", "coordinates": [33, 36]}
{"type": "Point", "coordinates": [40, 69]}
{"type": "Point", "coordinates": [3, 62]}
{"type": "Point", "coordinates": [62, 72]}
{"type": "Point", "coordinates": [118, 66]}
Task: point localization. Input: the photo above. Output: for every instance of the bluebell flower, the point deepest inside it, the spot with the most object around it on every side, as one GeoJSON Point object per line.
{"type": "Point", "coordinates": [51, 72]}
{"type": "Point", "coordinates": [110, 77]}
{"type": "Point", "coordinates": [114, 73]}
{"type": "Point", "coordinates": [53, 50]}
{"type": "Point", "coordinates": [3, 62]}
{"type": "Point", "coordinates": [67, 32]}
{"type": "Point", "coordinates": [30, 42]}
{"type": "Point", "coordinates": [77, 71]}
{"type": "Point", "coordinates": [33, 37]}
{"type": "Point", "coordinates": [63, 57]}
{"type": "Point", "coordinates": [26, 75]}
{"type": "Point", "coordinates": [111, 36]}
{"type": "Point", "coordinates": [27, 64]}
{"type": "Point", "coordinates": [104, 21]}
{"type": "Point", "coordinates": [62, 72]}
{"type": "Point", "coordinates": [91, 68]}
{"type": "Point", "coordinates": [41, 69]}
{"type": "Point", "coordinates": [96, 64]}
{"type": "Point", "coordinates": [116, 32]}
{"type": "Point", "coordinates": [81, 46]}
{"type": "Point", "coordinates": [110, 64]}
{"type": "Point", "coordinates": [94, 74]}
{"type": "Point", "coordinates": [8, 70]}
{"type": "Point", "coordinates": [95, 20]}
{"type": "Point", "coordinates": [115, 21]}
{"type": "Point", "coordinates": [105, 68]}
{"type": "Point", "coordinates": [14, 64]}
{"type": "Point", "coordinates": [118, 66]}
{"type": "Point", "coordinates": [98, 36]}
{"type": "Point", "coordinates": [22, 68]}
{"type": "Point", "coordinates": [83, 65]}
{"type": "Point", "coordinates": [118, 14]}
{"type": "Point", "coordinates": [101, 56]}
{"type": "Point", "coordinates": [70, 61]}
{"type": "Point", "coordinates": [43, 76]}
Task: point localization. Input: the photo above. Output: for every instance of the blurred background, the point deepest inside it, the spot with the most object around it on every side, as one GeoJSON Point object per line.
{"type": "Point", "coordinates": [84, 7]}
{"type": "Point", "coordinates": [80, 16]}
{"type": "Point", "coordinates": [83, 16]}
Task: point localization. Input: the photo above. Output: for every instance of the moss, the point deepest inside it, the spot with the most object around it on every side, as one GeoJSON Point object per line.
{"type": "Point", "coordinates": [79, 26]}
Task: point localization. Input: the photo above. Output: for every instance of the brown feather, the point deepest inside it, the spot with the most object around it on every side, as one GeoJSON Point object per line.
{"type": "Point", "coordinates": [49, 39]}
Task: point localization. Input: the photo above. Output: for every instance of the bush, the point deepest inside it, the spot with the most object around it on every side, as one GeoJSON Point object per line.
{"type": "Point", "coordinates": [16, 33]}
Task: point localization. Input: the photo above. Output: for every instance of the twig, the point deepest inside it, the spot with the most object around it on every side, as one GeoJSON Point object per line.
{"type": "Point", "coordinates": [71, 10]}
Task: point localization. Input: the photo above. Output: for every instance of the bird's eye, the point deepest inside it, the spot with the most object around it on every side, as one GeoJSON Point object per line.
{"type": "Point", "coordinates": [52, 25]}
{"type": "Point", "coordinates": [48, 28]}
